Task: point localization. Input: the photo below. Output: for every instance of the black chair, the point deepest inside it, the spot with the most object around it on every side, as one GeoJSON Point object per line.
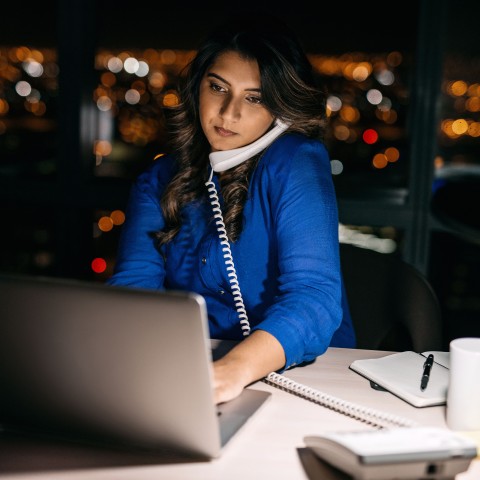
{"type": "Point", "coordinates": [393, 306]}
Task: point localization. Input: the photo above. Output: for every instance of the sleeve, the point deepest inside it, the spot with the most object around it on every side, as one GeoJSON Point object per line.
{"type": "Point", "coordinates": [139, 263]}
{"type": "Point", "coordinates": [308, 309]}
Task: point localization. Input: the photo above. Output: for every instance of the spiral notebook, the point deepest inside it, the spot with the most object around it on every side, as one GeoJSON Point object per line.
{"type": "Point", "coordinates": [400, 374]}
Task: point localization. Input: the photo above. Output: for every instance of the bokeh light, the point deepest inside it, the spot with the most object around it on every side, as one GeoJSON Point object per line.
{"type": "Point", "coordinates": [99, 265]}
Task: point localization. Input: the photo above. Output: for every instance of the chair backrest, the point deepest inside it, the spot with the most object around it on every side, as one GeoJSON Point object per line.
{"type": "Point", "coordinates": [393, 306]}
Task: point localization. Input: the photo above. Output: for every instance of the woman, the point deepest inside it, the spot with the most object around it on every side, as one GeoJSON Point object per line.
{"type": "Point", "coordinates": [246, 85]}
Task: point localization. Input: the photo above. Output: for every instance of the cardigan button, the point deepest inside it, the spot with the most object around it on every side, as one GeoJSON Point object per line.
{"type": "Point", "coordinates": [204, 260]}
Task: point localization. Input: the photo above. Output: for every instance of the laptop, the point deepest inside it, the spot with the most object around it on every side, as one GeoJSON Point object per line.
{"type": "Point", "coordinates": [112, 365]}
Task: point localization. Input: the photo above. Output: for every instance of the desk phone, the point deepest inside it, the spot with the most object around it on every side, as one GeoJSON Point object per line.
{"type": "Point", "coordinates": [397, 453]}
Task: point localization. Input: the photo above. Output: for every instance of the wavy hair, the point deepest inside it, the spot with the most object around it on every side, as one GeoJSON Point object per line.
{"type": "Point", "coordinates": [289, 91]}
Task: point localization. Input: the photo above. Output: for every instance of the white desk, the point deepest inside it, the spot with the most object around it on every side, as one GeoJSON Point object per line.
{"type": "Point", "coordinates": [270, 445]}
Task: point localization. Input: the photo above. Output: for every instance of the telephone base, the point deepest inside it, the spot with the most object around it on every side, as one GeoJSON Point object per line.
{"type": "Point", "coordinates": [395, 454]}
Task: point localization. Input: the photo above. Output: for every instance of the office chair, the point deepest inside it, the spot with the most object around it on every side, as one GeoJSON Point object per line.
{"type": "Point", "coordinates": [393, 306]}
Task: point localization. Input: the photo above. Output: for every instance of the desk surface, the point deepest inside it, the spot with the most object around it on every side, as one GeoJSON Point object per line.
{"type": "Point", "coordinates": [270, 445]}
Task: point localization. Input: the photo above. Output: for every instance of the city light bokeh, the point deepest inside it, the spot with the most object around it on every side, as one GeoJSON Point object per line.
{"type": "Point", "coordinates": [366, 107]}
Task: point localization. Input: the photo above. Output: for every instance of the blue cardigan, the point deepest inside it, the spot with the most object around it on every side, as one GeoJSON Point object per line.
{"type": "Point", "coordinates": [286, 259]}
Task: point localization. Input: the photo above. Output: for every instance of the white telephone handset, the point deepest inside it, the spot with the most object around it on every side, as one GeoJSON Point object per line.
{"type": "Point", "coordinates": [225, 159]}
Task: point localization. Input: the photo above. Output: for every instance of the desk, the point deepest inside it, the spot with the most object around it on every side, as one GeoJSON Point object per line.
{"type": "Point", "coordinates": [270, 445]}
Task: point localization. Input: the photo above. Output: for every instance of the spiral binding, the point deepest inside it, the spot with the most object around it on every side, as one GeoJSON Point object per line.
{"type": "Point", "coordinates": [371, 416]}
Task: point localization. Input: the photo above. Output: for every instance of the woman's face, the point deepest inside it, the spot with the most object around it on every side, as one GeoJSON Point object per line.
{"type": "Point", "coordinates": [231, 110]}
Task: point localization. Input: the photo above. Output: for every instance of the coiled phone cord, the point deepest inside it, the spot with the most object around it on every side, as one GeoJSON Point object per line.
{"type": "Point", "coordinates": [227, 255]}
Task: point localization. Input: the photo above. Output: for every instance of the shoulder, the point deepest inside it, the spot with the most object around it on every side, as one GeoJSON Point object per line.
{"type": "Point", "coordinates": [293, 148]}
{"type": "Point", "coordinates": [157, 174]}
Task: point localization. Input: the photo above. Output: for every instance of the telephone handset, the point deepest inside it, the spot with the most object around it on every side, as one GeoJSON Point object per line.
{"type": "Point", "coordinates": [225, 159]}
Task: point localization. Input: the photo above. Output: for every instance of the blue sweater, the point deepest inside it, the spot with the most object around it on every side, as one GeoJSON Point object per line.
{"type": "Point", "coordinates": [286, 259]}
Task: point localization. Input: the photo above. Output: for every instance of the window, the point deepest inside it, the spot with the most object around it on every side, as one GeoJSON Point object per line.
{"type": "Point", "coordinates": [83, 82]}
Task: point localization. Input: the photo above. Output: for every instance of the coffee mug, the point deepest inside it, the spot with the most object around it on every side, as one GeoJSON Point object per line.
{"type": "Point", "coordinates": [463, 395]}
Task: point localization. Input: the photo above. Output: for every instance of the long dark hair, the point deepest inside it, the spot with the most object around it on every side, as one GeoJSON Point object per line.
{"type": "Point", "coordinates": [289, 91]}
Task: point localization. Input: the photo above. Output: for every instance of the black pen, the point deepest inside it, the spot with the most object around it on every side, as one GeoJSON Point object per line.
{"type": "Point", "coordinates": [427, 366]}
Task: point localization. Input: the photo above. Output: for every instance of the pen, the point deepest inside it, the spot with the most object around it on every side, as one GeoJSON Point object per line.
{"type": "Point", "coordinates": [427, 366]}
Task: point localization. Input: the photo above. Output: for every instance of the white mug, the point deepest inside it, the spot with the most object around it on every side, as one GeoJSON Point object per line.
{"type": "Point", "coordinates": [463, 396]}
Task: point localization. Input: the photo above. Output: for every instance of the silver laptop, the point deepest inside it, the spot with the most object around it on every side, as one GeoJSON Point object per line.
{"type": "Point", "coordinates": [112, 365]}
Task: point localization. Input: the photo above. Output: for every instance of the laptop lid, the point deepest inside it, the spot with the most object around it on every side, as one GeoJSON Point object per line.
{"type": "Point", "coordinates": [113, 365]}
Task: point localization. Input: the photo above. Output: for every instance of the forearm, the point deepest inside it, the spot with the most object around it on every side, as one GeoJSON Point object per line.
{"type": "Point", "coordinates": [253, 358]}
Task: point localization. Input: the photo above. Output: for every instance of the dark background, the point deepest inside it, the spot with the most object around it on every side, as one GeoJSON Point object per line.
{"type": "Point", "coordinates": [51, 193]}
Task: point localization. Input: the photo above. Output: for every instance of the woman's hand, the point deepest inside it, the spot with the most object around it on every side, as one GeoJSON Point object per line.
{"type": "Point", "coordinates": [253, 358]}
{"type": "Point", "coordinates": [229, 380]}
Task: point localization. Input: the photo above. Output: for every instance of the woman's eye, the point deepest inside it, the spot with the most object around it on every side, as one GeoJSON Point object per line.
{"type": "Point", "coordinates": [255, 100]}
{"type": "Point", "coordinates": [216, 87]}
